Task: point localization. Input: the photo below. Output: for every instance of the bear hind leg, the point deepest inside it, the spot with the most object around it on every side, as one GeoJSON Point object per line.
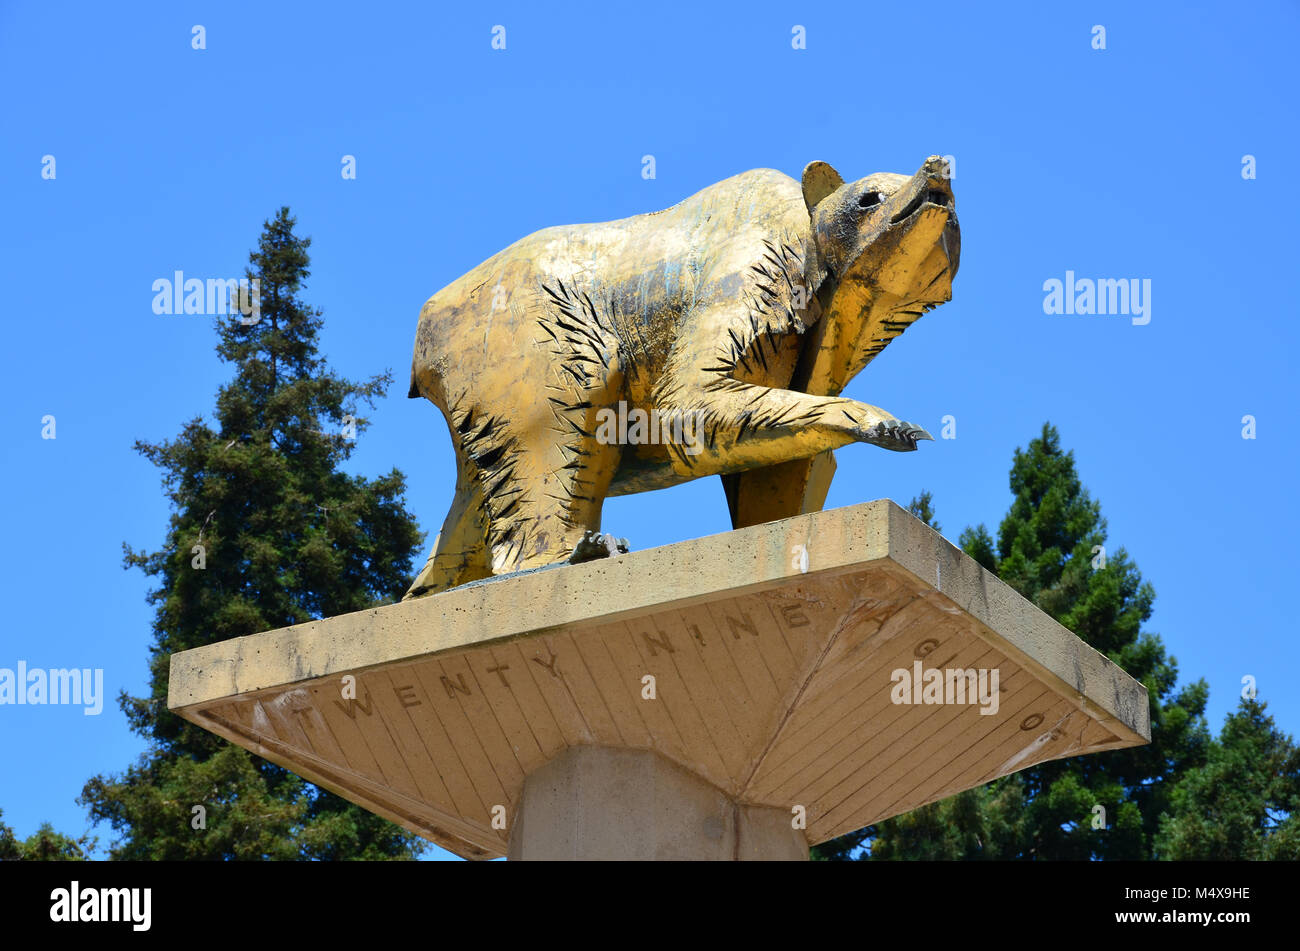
{"type": "Point", "coordinates": [460, 552]}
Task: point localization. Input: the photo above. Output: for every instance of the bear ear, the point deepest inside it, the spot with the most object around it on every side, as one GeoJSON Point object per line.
{"type": "Point", "coordinates": [819, 180]}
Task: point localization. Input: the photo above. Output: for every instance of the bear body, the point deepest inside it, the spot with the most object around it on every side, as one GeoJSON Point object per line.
{"type": "Point", "coordinates": [585, 361]}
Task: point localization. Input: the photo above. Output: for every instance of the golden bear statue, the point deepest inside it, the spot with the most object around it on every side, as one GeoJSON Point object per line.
{"type": "Point", "coordinates": [712, 338]}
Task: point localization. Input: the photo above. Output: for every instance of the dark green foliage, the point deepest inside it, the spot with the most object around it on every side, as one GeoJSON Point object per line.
{"type": "Point", "coordinates": [922, 508]}
{"type": "Point", "coordinates": [43, 845]}
{"type": "Point", "coordinates": [1244, 804]}
{"type": "Point", "coordinates": [285, 537]}
{"type": "Point", "coordinates": [1051, 547]}
{"type": "Point", "coordinates": [981, 823]}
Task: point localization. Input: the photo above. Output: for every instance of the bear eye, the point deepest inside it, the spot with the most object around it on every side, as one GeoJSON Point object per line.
{"type": "Point", "coordinates": [869, 199]}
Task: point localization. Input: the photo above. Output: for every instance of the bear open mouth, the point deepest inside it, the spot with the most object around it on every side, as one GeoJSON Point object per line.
{"type": "Point", "coordinates": [926, 196]}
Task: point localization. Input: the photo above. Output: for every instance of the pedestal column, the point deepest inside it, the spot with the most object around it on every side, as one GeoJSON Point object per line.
{"type": "Point", "coordinates": [607, 804]}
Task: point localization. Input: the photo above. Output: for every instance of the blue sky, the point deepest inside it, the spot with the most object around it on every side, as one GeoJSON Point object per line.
{"type": "Point", "coordinates": [1117, 163]}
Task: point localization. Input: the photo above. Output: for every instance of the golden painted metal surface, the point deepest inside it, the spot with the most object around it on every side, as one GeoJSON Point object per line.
{"type": "Point", "coordinates": [712, 338]}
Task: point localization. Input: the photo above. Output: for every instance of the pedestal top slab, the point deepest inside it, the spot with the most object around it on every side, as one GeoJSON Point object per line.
{"type": "Point", "coordinates": [776, 662]}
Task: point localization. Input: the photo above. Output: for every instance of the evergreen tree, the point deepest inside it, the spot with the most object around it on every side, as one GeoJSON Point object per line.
{"type": "Point", "coordinates": [43, 845]}
{"type": "Point", "coordinates": [986, 822]}
{"type": "Point", "coordinates": [1245, 803]}
{"type": "Point", "coordinates": [922, 506]}
{"type": "Point", "coordinates": [1051, 547]}
{"type": "Point", "coordinates": [265, 531]}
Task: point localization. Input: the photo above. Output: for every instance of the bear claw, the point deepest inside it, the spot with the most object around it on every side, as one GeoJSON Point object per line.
{"type": "Point", "coordinates": [595, 545]}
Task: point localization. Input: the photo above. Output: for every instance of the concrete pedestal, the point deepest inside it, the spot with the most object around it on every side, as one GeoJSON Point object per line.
{"type": "Point", "coordinates": [600, 803]}
{"type": "Point", "coordinates": [685, 701]}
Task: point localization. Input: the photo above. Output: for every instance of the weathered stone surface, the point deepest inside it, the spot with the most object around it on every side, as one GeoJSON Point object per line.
{"type": "Point", "coordinates": [772, 684]}
{"type": "Point", "coordinates": [598, 803]}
